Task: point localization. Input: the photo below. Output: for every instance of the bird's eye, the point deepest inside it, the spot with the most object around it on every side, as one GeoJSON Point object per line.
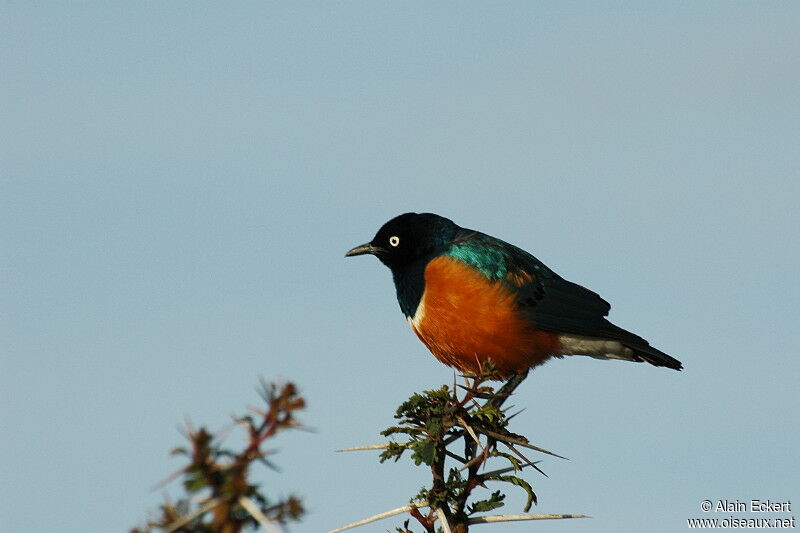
{"type": "Point", "coordinates": [394, 240]}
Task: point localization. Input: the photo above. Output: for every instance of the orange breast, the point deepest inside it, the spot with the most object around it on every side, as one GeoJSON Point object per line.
{"type": "Point", "coordinates": [466, 320]}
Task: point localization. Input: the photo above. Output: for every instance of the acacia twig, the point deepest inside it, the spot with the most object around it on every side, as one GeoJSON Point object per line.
{"type": "Point", "coordinates": [182, 521]}
{"type": "Point", "coordinates": [259, 517]}
{"type": "Point", "coordinates": [519, 442]}
{"type": "Point", "coordinates": [366, 447]}
{"type": "Point", "coordinates": [431, 421]}
{"type": "Point", "coordinates": [381, 516]}
{"type": "Point", "coordinates": [443, 519]}
{"type": "Point", "coordinates": [518, 517]}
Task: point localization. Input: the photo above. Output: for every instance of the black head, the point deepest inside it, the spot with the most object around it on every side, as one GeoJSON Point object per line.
{"type": "Point", "coordinates": [408, 238]}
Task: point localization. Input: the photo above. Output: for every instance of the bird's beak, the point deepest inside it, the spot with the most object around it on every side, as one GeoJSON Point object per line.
{"type": "Point", "coordinates": [368, 248]}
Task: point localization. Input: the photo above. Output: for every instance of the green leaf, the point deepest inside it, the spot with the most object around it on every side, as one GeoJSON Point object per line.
{"type": "Point", "coordinates": [519, 482]}
{"type": "Point", "coordinates": [489, 414]}
{"type": "Point", "coordinates": [397, 429]}
{"type": "Point", "coordinates": [511, 459]}
{"type": "Point", "coordinates": [493, 502]}
{"type": "Point", "coordinates": [194, 482]}
{"type": "Point", "coordinates": [394, 451]}
{"type": "Point", "coordinates": [434, 426]}
{"type": "Point", "coordinates": [424, 451]}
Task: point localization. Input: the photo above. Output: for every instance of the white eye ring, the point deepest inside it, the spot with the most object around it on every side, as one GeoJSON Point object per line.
{"type": "Point", "coordinates": [394, 240]}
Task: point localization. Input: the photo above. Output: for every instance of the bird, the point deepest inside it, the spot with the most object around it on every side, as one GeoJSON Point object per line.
{"type": "Point", "coordinates": [474, 299]}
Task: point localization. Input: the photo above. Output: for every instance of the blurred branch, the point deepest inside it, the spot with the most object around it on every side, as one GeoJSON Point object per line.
{"type": "Point", "coordinates": [231, 503]}
{"type": "Point", "coordinates": [256, 513]}
{"type": "Point", "coordinates": [177, 524]}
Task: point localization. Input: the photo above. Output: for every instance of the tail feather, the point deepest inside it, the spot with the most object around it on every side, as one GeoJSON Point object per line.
{"type": "Point", "coordinates": [654, 356]}
{"type": "Point", "coordinates": [612, 342]}
{"type": "Point", "coordinates": [641, 348]}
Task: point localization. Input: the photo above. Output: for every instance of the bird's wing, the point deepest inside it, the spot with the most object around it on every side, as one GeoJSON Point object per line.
{"type": "Point", "coordinates": [553, 303]}
{"type": "Point", "coordinates": [548, 300]}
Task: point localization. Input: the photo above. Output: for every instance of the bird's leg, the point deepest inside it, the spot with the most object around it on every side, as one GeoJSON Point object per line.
{"type": "Point", "coordinates": [507, 389]}
{"type": "Point", "coordinates": [497, 400]}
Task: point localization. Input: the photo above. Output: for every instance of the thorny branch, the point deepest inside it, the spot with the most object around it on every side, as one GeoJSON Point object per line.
{"type": "Point", "coordinates": [436, 420]}
{"type": "Point", "coordinates": [221, 496]}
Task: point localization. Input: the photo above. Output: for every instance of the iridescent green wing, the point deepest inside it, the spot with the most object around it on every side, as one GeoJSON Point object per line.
{"type": "Point", "coordinates": [550, 301]}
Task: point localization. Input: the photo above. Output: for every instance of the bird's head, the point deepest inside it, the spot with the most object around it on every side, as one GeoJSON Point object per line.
{"type": "Point", "coordinates": [408, 238]}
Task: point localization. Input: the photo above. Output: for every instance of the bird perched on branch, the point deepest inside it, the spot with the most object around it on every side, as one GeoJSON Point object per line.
{"type": "Point", "coordinates": [472, 298]}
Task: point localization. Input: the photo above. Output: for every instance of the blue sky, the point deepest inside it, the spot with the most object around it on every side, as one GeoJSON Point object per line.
{"type": "Point", "coordinates": [181, 180]}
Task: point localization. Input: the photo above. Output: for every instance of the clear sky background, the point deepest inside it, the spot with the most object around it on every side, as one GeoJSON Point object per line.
{"type": "Point", "coordinates": [181, 180]}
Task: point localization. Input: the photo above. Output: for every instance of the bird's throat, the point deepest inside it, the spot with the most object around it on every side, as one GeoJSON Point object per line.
{"type": "Point", "coordinates": [409, 282]}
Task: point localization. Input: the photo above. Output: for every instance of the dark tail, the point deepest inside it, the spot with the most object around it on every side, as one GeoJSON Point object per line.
{"type": "Point", "coordinates": [642, 350]}
{"type": "Point", "coordinates": [653, 356]}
